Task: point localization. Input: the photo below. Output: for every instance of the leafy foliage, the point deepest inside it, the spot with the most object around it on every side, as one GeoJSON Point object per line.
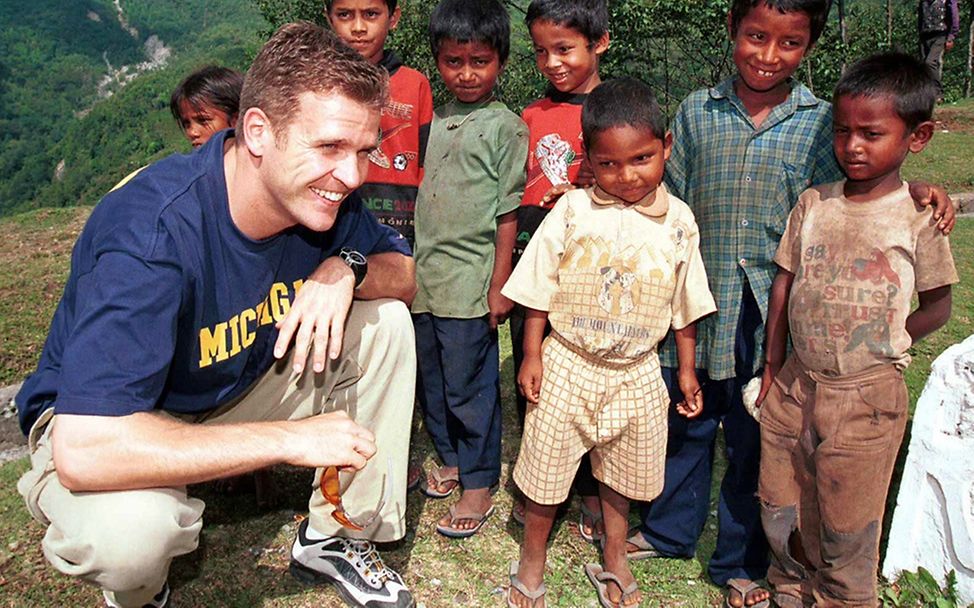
{"type": "Point", "coordinates": [921, 590]}
{"type": "Point", "coordinates": [62, 145]}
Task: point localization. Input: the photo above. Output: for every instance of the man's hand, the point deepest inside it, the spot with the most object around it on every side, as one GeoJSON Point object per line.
{"type": "Point", "coordinates": [529, 379]}
{"type": "Point", "coordinates": [317, 315]}
{"type": "Point", "coordinates": [925, 194]}
{"type": "Point", "coordinates": [331, 439]}
{"type": "Point", "coordinates": [499, 305]}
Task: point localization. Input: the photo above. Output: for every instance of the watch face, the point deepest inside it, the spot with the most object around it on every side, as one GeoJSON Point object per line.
{"type": "Point", "coordinates": [353, 257]}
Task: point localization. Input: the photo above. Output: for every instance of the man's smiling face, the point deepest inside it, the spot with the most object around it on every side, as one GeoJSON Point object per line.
{"type": "Point", "coordinates": [321, 157]}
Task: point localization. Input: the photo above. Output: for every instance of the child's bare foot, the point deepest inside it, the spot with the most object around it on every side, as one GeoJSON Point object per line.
{"type": "Point", "coordinates": [742, 592]}
{"type": "Point", "coordinates": [530, 574]}
{"type": "Point", "coordinates": [469, 514]}
{"type": "Point", "coordinates": [442, 481]}
{"type": "Point", "coordinates": [625, 579]}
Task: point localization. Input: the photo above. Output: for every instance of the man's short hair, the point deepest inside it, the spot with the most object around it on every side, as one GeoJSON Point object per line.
{"type": "Point", "coordinates": [214, 86]}
{"type": "Point", "coordinates": [621, 102]}
{"type": "Point", "coordinates": [590, 18]}
{"type": "Point", "coordinates": [817, 11]}
{"type": "Point", "coordinates": [390, 3]}
{"type": "Point", "coordinates": [303, 57]}
{"type": "Point", "coordinates": [483, 21]}
{"type": "Point", "coordinates": [905, 80]}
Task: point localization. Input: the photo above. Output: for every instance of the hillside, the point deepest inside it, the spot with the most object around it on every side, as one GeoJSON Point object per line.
{"type": "Point", "coordinates": [84, 88]}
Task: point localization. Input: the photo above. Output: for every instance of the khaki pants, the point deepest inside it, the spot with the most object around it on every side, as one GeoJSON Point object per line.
{"type": "Point", "coordinates": [828, 446]}
{"type": "Point", "coordinates": [124, 541]}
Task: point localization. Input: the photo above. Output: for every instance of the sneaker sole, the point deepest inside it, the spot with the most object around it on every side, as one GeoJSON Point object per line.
{"type": "Point", "coordinates": [307, 576]}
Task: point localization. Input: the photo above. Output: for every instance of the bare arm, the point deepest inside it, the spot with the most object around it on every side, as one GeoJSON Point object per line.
{"type": "Point", "coordinates": [776, 330]}
{"type": "Point", "coordinates": [500, 305]}
{"type": "Point", "coordinates": [391, 275]}
{"type": "Point", "coordinates": [146, 450]}
{"type": "Point", "coordinates": [529, 377]}
{"type": "Point", "coordinates": [932, 313]}
{"type": "Point", "coordinates": [318, 313]}
{"type": "Point", "coordinates": [686, 346]}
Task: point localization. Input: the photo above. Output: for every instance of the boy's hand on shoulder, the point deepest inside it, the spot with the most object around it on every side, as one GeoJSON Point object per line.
{"type": "Point", "coordinates": [926, 194]}
{"type": "Point", "coordinates": [500, 306]}
{"type": "Point", "coordinates": [529, 378]}
{"type": "Point", "coordinates": [692, 404]}
{"type": "Point", "coordinates": [551, 196]}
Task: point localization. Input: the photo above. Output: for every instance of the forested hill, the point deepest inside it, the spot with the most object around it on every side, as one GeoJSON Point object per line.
{"type": "Point", "coordinates": [85, 84]}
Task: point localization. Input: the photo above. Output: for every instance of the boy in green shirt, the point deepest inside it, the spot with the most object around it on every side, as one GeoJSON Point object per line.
{"type": "Point", "coordinates": [465, 229]}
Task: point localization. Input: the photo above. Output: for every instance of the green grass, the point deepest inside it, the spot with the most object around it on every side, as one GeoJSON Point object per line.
{"type": "Point", "coordinates": [244, 552]}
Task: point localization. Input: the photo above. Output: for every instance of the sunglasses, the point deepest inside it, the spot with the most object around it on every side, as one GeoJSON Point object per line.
{"type": "Point", "coordinates": [331, 489]}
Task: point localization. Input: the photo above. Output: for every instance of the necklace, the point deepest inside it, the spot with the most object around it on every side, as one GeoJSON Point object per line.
{"type": "Point", "coordinates": [456, 125]}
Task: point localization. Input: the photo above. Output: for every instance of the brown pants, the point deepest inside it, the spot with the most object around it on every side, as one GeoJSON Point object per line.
{"type": "Point", "coordinates": [124, 542]}
{"type": "Point", "coordinates": [828, 446]}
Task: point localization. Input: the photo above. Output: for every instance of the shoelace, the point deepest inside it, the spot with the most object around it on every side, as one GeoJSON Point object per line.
{"type": "Point", "coordinates": [371, 559]}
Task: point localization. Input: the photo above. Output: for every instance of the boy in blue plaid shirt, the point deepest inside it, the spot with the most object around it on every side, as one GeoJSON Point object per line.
{"type": "Point", "coordinates": [743, 151]}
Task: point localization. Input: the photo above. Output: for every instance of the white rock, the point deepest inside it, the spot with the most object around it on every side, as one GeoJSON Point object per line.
{"type": "Point", "coordinates": [933, 524]}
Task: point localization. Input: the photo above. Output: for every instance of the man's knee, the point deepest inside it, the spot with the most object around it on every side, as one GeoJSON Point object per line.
{"type": "Point", "coordinates": [125, 540]}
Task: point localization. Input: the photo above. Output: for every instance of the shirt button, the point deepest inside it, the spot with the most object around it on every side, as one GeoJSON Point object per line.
{"type": "Point", "coordinates": [747, 178]}
{"type": "Point", "coordinates": [744, 222]}
{"type": "Point", "coordinates": [743, 261]}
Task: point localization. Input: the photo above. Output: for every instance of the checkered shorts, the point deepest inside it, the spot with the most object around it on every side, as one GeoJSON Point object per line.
{"type": "Point", "coordinates": [618, 413]}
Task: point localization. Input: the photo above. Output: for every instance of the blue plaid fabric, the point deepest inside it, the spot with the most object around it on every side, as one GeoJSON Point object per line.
{"type": "Point", "coordinates": [741, 183]}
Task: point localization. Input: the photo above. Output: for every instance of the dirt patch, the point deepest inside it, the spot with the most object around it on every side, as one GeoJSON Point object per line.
{"type": "Point", "coordinates": [958, 120]}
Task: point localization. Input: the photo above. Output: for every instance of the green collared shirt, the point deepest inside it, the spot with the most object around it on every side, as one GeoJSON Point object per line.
{"type": "Point", "coordinates": [741, 182]}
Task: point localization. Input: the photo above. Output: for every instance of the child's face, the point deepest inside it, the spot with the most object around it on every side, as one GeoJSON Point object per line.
{"type": "Point", "coordinates": [363, 25]}
{"type": "Point", "coordinates": [469, 69]}
{"type": "Point", "coordinates": [768, 47]}
{"type": "Point", "coordinates": [199, 124]}
{"type": "Point", "coordinates": [628, 162]}
{"type": "Point", "coordinates": [566, 58]}
{"type": "Point", "coordinates": [871, 140]}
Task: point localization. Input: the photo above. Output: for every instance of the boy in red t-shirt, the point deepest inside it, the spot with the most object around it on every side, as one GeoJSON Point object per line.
{"type": "Point", "coordinates": [396, 166]}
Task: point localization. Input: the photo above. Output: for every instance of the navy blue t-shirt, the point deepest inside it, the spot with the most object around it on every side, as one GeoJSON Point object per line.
{"type": "Point", "coordinates": [168, 305]}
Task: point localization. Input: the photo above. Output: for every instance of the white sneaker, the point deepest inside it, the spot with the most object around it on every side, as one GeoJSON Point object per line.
{"type": "Point", "coordinates": [161, 599]}
{"type": "Point", "coordinates": [354, 566]}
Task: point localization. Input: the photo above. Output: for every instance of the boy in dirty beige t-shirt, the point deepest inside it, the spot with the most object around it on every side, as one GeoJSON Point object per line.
{"type": "Point", "coordinates": [613, 268]}
{"type": "Point", "coordinates": [851, 258]}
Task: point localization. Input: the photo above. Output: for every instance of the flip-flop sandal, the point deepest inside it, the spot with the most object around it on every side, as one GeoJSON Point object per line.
{"type": "Point", "coordinates": [601, 579]}
{"type": "Point", "coordinates": [644, 549]}
{"type": "Point", "coordinates": [585, 513]}
{"type": "Point", "coordinates": [532, 596]}
{"type": "Point", "coordinates": [441, 479]}
{"type": "Point", "coordinates": [451, 532]}
{"type": "Point", "coordinates": [414, 476]}
{"type": "Point", "coordinates": [744, 586]}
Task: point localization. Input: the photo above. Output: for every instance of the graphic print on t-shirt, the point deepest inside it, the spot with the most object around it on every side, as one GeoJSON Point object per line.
{"type": "Point", "coordinates": [846, 303]}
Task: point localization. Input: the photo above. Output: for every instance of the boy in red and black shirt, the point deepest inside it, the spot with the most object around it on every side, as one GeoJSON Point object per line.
{"type": "Point", "coordinates": [396, 166]}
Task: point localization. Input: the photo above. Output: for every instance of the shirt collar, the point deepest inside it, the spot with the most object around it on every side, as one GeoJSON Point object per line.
{"type": "Point", "coordinates": [801, 96]}
{"type": "Point", "coordinates": [649, 205]}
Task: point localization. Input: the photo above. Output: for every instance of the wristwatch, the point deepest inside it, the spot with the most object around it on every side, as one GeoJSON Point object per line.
{"type": "Point", "coordinates": [357, 262]}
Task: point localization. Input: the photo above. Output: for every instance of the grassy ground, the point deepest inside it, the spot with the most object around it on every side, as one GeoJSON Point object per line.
{"type": "Point", "coordinates": [243, 557]}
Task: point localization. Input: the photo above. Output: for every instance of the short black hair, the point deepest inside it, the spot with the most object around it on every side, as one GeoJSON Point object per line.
{"type": "Point", "coordinates": [212, 85]}
{"type": "Point", "coordinates": [817, 11]}
{"type": "Point", "coordinates": [898, 76]}
{"type": "Point", "coordinates": [589, 18]}
{"type": "Point", "coordinates": [390, 3]}
{"type": "Point", "coordinates": [621, 102]}
{"type": "Point", "coordinates": [484, 21]}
